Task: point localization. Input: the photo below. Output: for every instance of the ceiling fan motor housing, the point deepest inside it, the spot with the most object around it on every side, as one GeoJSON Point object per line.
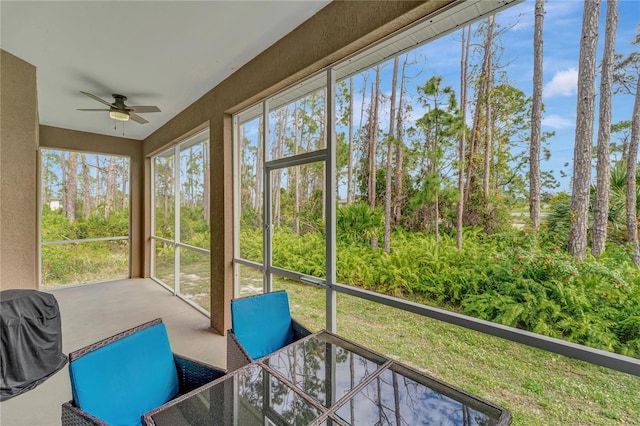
{"type": "Point", "coordinates": [119, 101]}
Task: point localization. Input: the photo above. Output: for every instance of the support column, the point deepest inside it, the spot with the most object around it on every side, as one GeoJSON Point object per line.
{"type": "Point", "coordinates": [19, 239]}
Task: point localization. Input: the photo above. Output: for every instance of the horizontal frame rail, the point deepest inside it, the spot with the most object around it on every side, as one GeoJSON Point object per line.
{"type": "Point", "coordinates": [83, 240]}
{"type": "Point", "coordinates": [296, 160]}
{"type": "Point", "coordinates": [190, 247]}
{"type": "Point", "coordinates": [611, 360]}
{"type": "Point", "coordinates": [249, 263]}
{"type": "Point", "coordinates": [297, 276]}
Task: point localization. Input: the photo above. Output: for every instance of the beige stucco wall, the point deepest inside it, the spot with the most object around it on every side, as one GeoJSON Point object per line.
{"type": "Point", "coordinates": [18, 176]}
{"type": "Point", "coordinates": [73, 140]}
{"type": "Point", "coordinates": [337, 31]}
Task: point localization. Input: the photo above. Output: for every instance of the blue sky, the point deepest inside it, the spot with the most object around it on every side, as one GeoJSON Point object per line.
{"type": "Point", "coordinates": [562, 29]}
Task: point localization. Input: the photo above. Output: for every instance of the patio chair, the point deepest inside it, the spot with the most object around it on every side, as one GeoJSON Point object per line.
{"type": "Point", "coordinates": [261, 324]}
{"type": "Point", "coordinates": [118, 379]}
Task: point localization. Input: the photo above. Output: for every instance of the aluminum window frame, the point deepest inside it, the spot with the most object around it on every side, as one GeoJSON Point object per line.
{"type": "Point", "coordinates": [458, 14]}
{"type": "Point", "coordinates": [177, 244]}
{"type": "Point", "coordinates": [85, 240]}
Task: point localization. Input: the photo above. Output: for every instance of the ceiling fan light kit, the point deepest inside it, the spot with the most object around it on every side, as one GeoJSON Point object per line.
{"type": "Point", "coordinates": [119, 115]}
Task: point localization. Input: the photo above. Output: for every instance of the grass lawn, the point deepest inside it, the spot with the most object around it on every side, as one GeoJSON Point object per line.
{"type": "Point", "coordinates": [82, 263]}
{"type": "Point", "coordinates": [538, 387]}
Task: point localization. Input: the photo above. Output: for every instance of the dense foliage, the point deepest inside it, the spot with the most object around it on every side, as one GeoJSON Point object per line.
{"type": "Point", "coordinates": [512, 277]}
{"type": "Point", "coordinates": [90, 261]}
{"type": "Point", "coordinates": [77, 263]}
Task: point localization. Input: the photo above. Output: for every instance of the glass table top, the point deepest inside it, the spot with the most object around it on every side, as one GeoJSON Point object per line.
{"type": "Point", "coordinates": [326, 380]}
{"type": "Point", "coordinates": [392, 398]}
{"type": "Point", "coordinates": [250, 397]}
{"type": "Point", "coordinates": [325, 367]}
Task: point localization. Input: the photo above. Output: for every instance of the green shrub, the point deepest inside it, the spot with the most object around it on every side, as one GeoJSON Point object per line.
{"type": "Point", "coordinates": [513, 277]}
{"type": "Point", "coordinates": [359, 223]}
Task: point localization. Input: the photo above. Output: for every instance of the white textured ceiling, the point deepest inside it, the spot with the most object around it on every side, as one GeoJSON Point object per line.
{"type": "Point", "coordinates": [164, 53]}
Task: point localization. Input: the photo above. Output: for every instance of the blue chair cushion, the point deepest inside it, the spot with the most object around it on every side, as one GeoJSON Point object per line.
{"type": "Point", "coordinates": [121, 381]}
{"type": "Point", "coordinates": [262, 324]}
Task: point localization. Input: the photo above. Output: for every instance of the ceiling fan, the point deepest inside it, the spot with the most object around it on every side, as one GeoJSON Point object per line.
{"type": "Point", "coordinates": [119, 111]}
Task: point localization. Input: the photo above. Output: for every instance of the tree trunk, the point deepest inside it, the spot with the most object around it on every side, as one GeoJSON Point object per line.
{"type": "Point", "coordinates": [257, 202]}
{"type": "Point", "coordinates": [206, 176]}
{"type": "Point", "coordinates": [86, 186]}
{"type": "Point", "coordinates": [603, 169]}
{"type": "Point", "coordinates": [577, 244]}
{"type": "Point", "coordinates": [364, 148]}
{"type": "Point", "coordinates": [350, 164]}
{"type": "Point", "coordinates": [632, 164]}
{"type": "Point", "coordinates": [323, 176]}
{"type": "Point", "coordinates": [399, 177]}
{"type": "Point", "coordinates": [397, 407]}
{"type": "Point", "coordinates": [123, 181]}
{"type": "Point", "coordinates": [373, 139]}
{"type": "Point", "coordinates": [111, 187]}
{"type": "Point", "coordinates": [296, 176]}
{"type": "Point", "coordinates": [99, 183]}
{"type": "Point", "coordinates": [488, 76]}
{"type": "Point", "coordinates": [306, 181]}
{"type": "Point", "coordinates": [473, 145]}
{"type": "Point", "coordinates": [65, 177]}
{"type": "Point", "coordinates": [192, 183]}
{"type": "Point", "coordinates": [71, 188]}
{"type": "Point", "coordinates": [436, 168]}
{"type": "Point", "coordinates": [278, 152]}
{"type": "Point", "coordinates": [244, 159]}
{"type": "Point", "coordinates": [387, 193]}
{"type": "Point", "coordinates": [464, 60]}
{"type": "Point", "coordinates": [165, 192]}
{"type": "Point", "coordinates": [367, 145]}
{"type": "Point", "coordinates": [45, 193]}
{"type": "Point", "coordinates": [536, 118]}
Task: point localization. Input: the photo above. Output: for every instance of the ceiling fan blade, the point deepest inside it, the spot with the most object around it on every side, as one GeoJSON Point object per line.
{"type": "Point", "coordinates": [91, 109]}
{"type": "Point", "coordinates": [144, 109]}
{"type": "Point", "coordinates": [96, 98]}
{"type": "Point", "coordinates": [137, 118]}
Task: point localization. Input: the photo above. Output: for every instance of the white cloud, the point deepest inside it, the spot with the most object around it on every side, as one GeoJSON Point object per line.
{"type": "Point", "coordinates": [563, 83]}
{"type": "Point", "coordinates": [558, 122]}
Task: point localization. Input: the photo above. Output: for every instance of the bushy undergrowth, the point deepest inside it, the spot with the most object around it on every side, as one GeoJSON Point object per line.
{"type": "Point", "coordinates": [83, 262]}
{"type": "Point", "coordinates": [86, 262]}
{"type": "Point", "coordinates": [511, 277]}
{"type": "Point", "coordinates": [56, 227]}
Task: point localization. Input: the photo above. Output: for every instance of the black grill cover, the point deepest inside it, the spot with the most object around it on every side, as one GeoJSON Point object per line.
{"type": "Point", "coordinates": [31, 349]}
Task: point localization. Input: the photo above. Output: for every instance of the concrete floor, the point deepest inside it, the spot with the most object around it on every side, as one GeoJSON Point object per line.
{"type": "Point", "coordinates": [92, 312]}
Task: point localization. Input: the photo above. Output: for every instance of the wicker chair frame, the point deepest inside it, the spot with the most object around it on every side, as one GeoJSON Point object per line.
{"type": "Point", "coordinates": [191, 375]}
